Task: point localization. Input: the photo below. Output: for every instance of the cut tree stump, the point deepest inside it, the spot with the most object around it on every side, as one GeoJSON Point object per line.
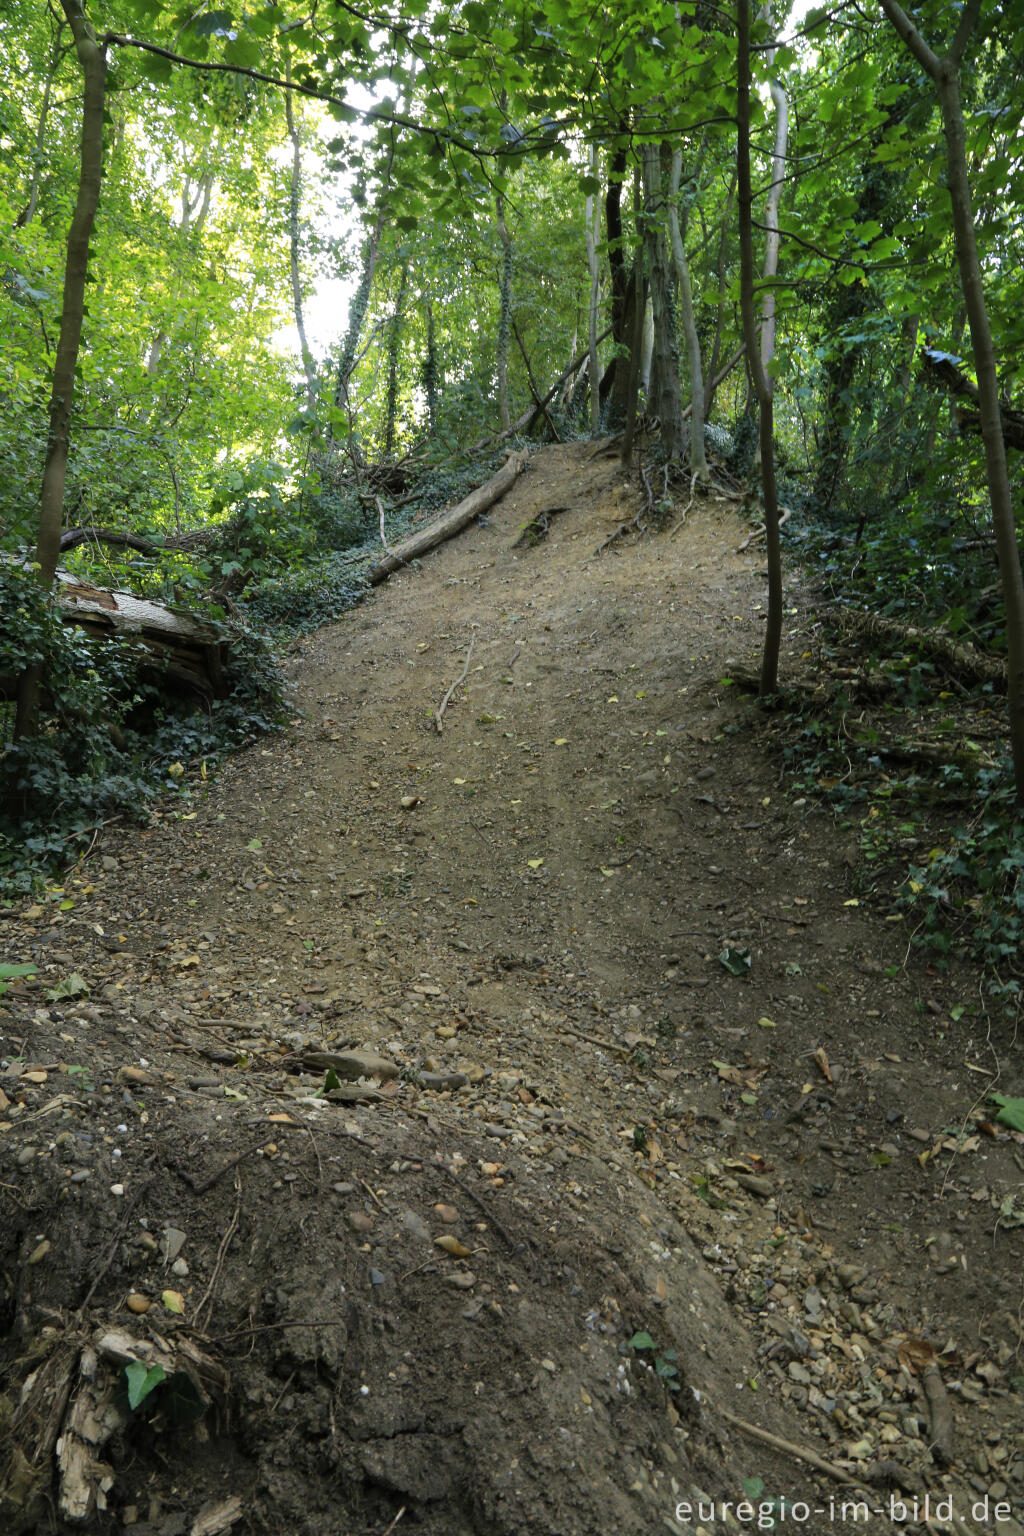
{"type": "Point", "coordinates": [449, 523]}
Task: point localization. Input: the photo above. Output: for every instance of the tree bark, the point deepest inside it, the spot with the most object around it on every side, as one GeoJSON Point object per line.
{"type": "Point", "coordinates": [665, 395]}
{"type": "Point", "coordinates": [393, 343]}
{"type": "Point", "coordinates": [308, 366]}
{"type": "Point", "coordinates": [698, 454]}
{"type": "Point", "coordinates": [944, 72]}
{"type": "Point", "coordinates": [93, 62]}
{"type": "Point", "coordinates": [504, 316]}
{"type": "Point", "coordinates": [595, 293]}
{"type": "Point", "coordinates": [755, 356]}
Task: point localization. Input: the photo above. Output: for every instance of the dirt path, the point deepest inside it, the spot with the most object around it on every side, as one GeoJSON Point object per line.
{"type": "Point", "coordinates": [775, 1175]}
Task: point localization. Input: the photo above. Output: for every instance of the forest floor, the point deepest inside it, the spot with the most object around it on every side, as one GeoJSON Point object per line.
{"type": "Point", "coordinates": [412, 1303]}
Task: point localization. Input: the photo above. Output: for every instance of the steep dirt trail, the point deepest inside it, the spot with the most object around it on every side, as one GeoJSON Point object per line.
{"type": "Point", "coordinates": [524, 913]}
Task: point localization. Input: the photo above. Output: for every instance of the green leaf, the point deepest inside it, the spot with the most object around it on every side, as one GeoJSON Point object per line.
{"type": "Point", "coordinates": [8, 972]}
{"type": "Point", "coordinates": [142, 1380]}
{"type": "Point", "coordinates": [1011, 1113]}
{"type": "Point", "coordinates": [736, 961]}
{"type": "Point", "coordinates": [641, 1341]}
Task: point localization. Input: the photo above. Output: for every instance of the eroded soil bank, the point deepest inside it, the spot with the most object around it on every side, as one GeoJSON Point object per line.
{"type": "Point", "coordinates": [413, 1302]}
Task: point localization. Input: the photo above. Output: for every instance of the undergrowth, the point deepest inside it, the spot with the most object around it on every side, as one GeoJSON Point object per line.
{"type": "Point", "coordinates": [939, 843]}
{"type": "Point", "coordinates": [109, 743]}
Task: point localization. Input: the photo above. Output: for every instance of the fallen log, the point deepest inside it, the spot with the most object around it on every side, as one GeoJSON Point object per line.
{"type": "Point", "coordinates": [181, 651]}
{"type": "Point", "coordinates": [449, 523]}
{"type": "Point", "coordinates": [962, 661]}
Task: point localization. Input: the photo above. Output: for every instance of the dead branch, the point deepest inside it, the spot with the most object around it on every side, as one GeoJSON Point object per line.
{"type": "Point", "coordinates": [439, 712]}
{"type": "Point", "coordinates": [757, 533]}
{"type": "Point", "coordinates": [941, 370]}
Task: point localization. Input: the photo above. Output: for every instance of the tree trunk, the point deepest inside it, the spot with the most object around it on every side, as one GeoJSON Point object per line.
{"type": "Point", "coordinates": [755, 356]}
{"type": "Point", "coordinates": [665, 396]}
{"type": "Point", "coordinates": [698, 455]}
{"type": "Point", "coordinates": [93, 62]}
{"type": "Point", "coordinates": [504, 316]}
{"type": "Point", "coordinates": [430, 379]}
{"type": "Point", "coordinates": [308, 366]}
{"type": "Point", "coordinates": [945, 74]}
{"type": "Point", "coordinates": [723, 291]}
{"type": "Point", "coordinates": [595, 293]}
{"type": "Point", "coordinates": [394, 341]}
{"type": "Point", "coordinates": [616, 382]}
{"type": "Point", "coordinates": [28, 213]}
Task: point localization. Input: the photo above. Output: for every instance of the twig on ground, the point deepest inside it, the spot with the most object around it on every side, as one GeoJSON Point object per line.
{"type": "Point", "coordinates": [439, 713]}
{"type": "Point", "coordinates": [435, 1162]}
{"type": "Point", "coordinates": [122, 1228]}
{"type": "Point", "coordinates": [797, 1451]}
{"type": "Point", "coordinates": [225, 1243]}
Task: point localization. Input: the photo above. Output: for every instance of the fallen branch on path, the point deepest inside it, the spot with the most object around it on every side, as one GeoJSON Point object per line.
{"type": "Point", "coordinates": [449, 523]}
{"type": "Point", "coordinates": [439, 712]}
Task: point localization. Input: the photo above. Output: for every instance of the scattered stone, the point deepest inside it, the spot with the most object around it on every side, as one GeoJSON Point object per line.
{"type": "Point", "coordinates": [414, 1223]}
{"type": "Point", "coordinates": [463, 1279]}
{"type": "Point", "coordinates": [171, 1243]}
{"type": "Point", "coordinates": [138, 1303]}
{"type": "Point", "coordinates": [360, 1221]}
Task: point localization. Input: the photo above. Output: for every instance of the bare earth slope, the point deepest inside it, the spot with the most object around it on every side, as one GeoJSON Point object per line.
{"type": "Point", "coordinates": [774, 1176]}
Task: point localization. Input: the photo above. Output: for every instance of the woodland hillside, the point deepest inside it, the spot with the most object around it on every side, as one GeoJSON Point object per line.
{"type": "Point", "coordinates": [512, 670]}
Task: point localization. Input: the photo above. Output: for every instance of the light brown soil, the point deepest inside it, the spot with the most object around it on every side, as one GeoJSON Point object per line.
{"type": "Point", "coordinates": [777, 1175]}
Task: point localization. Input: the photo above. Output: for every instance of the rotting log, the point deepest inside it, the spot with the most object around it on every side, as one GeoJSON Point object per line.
{"type": "Point", "coordinates": [962, 661]}
{"type": "Point", "coordinates": [179, 650]}
{"type": "Point", "coordinates": [449, 523]}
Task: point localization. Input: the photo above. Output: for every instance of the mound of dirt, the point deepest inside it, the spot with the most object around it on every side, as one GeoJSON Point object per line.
{"type": "Point", "coordinates": [503, 1119]}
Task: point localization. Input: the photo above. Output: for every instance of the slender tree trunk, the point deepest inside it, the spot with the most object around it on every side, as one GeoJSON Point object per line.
{"type": "Point", "coordinates": [723, 289]}
{"type": "Point", "coordinates": [616, 381]}
{"type": "Point", "coordinates": [630, 365]}
{"type": "Point", "coordinates": [647, 354]}
{"type": "Point", "coordinates": [28, 213]}
{"type": "Point", "coordinates": [357, 314]}
{"type": "Point", "coordinates": [393, 344]}
{"type": "Point", "coordinates": [755, 357]}
{"type": "Point", "coordinates": [308, 366]}
{"type": "Point", "coordinates": [595, 293]}
{"type": "Point", "coordinates": [504, 316]}
{"type": "Point", "coordinates": [430, 379]}
{"type": "Point", "coordinates": [698, 456]}
{"type": "Point", "coordinates": [93, 62]}
{"type": "Point", "coordinates": [195, 210]}
{"type": "Point", "coordinates": [944, 72]}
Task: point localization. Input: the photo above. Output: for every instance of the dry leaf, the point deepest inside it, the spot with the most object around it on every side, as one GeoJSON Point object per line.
{"type": "Point", "coordinates": [822, 1059]}
{"type": "Point", "coordinates": [452, 1245]}
{"type": "Point", "coordinates": [916, 1354]}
